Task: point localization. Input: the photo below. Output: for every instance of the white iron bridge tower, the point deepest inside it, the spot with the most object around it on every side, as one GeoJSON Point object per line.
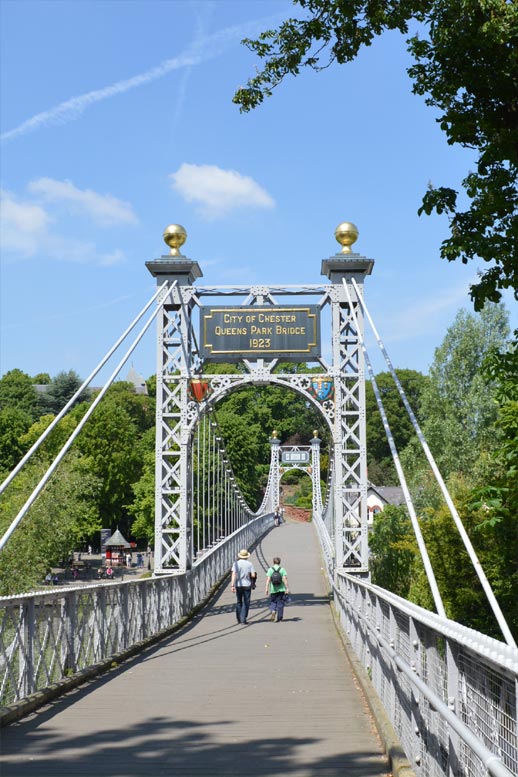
{"type": "Point", "coordinates": [271, 324]}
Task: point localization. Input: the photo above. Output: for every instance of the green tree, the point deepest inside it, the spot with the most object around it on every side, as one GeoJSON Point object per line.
{"type": "Point", "coordinates": [17, 391]}
{"type": "Point", "coordinates": [459, 400]}
{"type": "Point", "coordinates": [248, 417]}
{"type": "Point", "coordinates": [466, 66]}
{"type": "Point", "coordinates": [379, 458]}
{"type": "Point", "coordinates": [240, 435]}
{"type": "Point", "coordinates": [140, 407]}
{"type": "Point", "coordinates": [42, 379]}
{"type": "Point", "coordinates": [50, 448]}
{"type": "Point", "coordinates": [110, 441]}
{"type": "Point", "coordinates": [142, 507]}
{"type": "Point", "coordinates": [151, 385]}
{"type": "Point", "coordinates": [461, 590]}
{"type": "Point", "coordinates": [62, 517]}
{"type": "Point", "coordinates": [13, 424]}
{"type": "Point", "coordinates": [59, 391]}
{"type": "Point", "coordinates": [496, 498]}
{"type": "Point", "coordinates": [393, 550]}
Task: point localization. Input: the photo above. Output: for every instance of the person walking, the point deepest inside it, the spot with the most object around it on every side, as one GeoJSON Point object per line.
{"type": "Point", "coordinates": [243, 580]}
{"type": "Point", "coordinates": [277, 587]}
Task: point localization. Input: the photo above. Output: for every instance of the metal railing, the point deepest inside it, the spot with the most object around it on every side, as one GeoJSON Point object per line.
{"type": "Point", "coordinates": [449, 691]}
{"type": "Point", "coordinates": [47, 636]}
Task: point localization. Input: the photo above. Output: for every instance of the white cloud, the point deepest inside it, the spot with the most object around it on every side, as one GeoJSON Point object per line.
{"type": "Point", "coordinates": [28, 229]}
{"type": "Point", "coordinates": [103, 208]}
{"type": "Point", "coordinates": [219, 191]}
{"type": "Point", "coordinates": [23, 225]}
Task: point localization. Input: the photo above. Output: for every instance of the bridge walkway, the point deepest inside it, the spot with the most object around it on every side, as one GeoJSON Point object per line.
{"type": "Point", "coordinates": [218, 698]}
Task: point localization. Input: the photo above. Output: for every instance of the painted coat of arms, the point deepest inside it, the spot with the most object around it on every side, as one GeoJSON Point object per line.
{"type": "Point", "coordinates": [322, 389]}
{"type": "Point", "coordinates": [199, 389]}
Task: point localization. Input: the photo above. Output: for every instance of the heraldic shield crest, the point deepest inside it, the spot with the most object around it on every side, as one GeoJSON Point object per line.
{"type": "Point", "coordinates": [322, 388]}
{"type": "Point", "coordinates": [199, 389]}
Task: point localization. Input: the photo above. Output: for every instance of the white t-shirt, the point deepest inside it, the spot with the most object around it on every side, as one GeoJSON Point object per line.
{"type": "Point", "coordinates": [244, 570]}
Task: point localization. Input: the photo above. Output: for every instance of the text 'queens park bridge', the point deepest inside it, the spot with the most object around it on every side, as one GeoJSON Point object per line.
{"type": "Point", "coordinates": [167, 681]}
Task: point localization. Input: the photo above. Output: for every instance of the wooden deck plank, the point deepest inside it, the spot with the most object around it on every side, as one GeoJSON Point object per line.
{"type": "Point", "coordinates": [218, 698]}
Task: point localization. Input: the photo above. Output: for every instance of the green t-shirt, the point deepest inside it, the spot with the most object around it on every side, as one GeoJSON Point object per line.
{"type": "Point", "coordinates": [275, 589]}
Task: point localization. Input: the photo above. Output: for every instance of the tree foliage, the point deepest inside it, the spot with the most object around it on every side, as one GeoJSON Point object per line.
{"type": "Point", "coordinates": [249, 416]}
{"type": "Point", "coordinates": [466, 66]}
{"type": "Point", "coordinates": [17, 391]}
{"type": "Point", "coordinates": [469, 406]}
{"type": "Point", "coordinates": [142, 507]}
{"type": "Point", "coordinates": [60, 390]}
{"type": "Point", "coordinates": [393, 550]}
{"type": "Point", "coordinates": [14, 423]}
{"type": "Point", "coordinates": [110, 441]}
{"type": "Point", "coordinates": [459, 403]}
{"type": "Point", "coordinates": [379, 457]}
{"type": "Point", "coordinates": [64, 515]}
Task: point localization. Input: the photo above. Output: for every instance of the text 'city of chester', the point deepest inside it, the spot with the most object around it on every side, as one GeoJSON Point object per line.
{"type": "Point", "coordinates": [290, 332]}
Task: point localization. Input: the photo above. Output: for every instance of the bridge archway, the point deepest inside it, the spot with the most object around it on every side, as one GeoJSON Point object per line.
{"type": "Point", "coordinates": [185, 392]}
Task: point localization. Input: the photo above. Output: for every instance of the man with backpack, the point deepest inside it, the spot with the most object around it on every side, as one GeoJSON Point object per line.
{"type": "Point", "coordinates": [277, 587]}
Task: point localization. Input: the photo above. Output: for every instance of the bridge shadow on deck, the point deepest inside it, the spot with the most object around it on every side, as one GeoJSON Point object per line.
{"type": "Point", "coordinates": [217, 698]}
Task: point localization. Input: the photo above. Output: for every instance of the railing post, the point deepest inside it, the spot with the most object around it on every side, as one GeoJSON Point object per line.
{"type": "Point", "coordinates": [452, 668]}
{"type": "Point", "coordinates": [143, 610]}
{"type": "Point", "coordinates": [69, 617]}
{"type": "Point", "coordinates": [102, 622]}
{"type": "Point", "coordinates": [416, 722]}
{"type": "Point", "coordinates": [124, 617]}
{"type": "Point", "coordinates": [26, 652]}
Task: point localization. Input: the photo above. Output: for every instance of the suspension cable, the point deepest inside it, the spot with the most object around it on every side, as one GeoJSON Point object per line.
{"type": "Point", "coordinates": [71, 401]}
{"type": "Point", "coordinates": [76, 431]}
{"type": "Point", "coordinates": [401, 475]}
{"type": "Point", "coordinates": [460, 526]}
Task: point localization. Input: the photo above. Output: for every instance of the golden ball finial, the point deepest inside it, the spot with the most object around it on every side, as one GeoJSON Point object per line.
{"type": "Point", "coordinates": [175, 236]}
{"type": "Point", "coordinates": [346, 233]}
{"type": "Point", "coordinates": [274, 434]}
{"type": "Point", "coordinates": [315, 432]}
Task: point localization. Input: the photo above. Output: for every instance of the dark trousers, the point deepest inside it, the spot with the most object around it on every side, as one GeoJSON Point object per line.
{"type": "Point", "coordinates": [243, 594]}
{"type": "Point", "coordinates": [277, 604]}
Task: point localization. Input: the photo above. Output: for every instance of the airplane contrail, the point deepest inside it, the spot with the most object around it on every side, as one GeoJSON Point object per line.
{"type": "Point", "coordinates": [199, 51]}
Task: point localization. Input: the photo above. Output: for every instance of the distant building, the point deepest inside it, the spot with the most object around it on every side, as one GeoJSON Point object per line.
{"type": "Point", "coordinates": [379, 496]}
{"type": "Point", "coordinates": [137, 380]}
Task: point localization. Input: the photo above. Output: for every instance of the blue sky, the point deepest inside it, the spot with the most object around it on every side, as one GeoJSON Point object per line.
{"type": "Point", "coordinates": [117, 119]}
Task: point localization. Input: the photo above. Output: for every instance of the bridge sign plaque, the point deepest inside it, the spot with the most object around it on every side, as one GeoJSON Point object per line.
{"type": "Point", "coordinates": [289, 332]}
{"type": "Point", "coordinates": [295, 457]}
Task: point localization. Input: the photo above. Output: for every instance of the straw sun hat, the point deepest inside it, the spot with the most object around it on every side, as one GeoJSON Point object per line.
{"type": "Point", "coordinates": [243, 554]}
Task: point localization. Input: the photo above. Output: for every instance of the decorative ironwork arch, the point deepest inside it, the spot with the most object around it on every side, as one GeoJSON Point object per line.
{"type": "Point", "coordinates": [220, 386]}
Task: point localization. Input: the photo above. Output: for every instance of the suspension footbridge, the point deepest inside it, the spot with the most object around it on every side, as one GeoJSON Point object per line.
{"type": "Point", "coordinates": [201, 700]}
{"type": "Point", "coordinates": [218, 697]}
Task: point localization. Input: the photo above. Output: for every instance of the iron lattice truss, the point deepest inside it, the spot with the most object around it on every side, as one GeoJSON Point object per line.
{"type": "Point", "coordinates": [179, 412]}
